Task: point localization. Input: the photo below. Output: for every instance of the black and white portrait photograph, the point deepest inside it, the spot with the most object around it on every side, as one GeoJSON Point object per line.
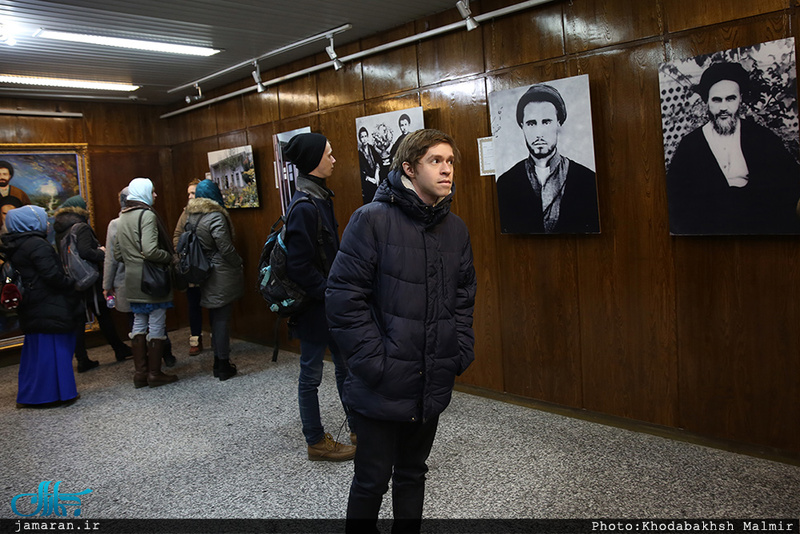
{"type": "Point", "coordinates": [731, 150]}
{"type": "Point", "coordinates": [378, 139]}
{"type": "Point", "coordinates": [544, 158]}
{"type": "Point", "coordinates": [285, 171]}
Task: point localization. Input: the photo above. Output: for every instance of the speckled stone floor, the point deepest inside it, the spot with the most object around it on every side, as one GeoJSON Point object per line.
{"type": "Point", "coordinates": [202, 448]}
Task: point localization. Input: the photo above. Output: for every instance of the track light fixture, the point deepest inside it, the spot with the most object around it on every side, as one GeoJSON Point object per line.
{"type": "Point", "coordinates": [257, 76]}
{"type": "Point", "coordinates": [466, 14]}
{"type": "Point", "coordinates": [7, 35]}
{"type": "Point", "coordinates": [195, 98]}
{"type": "Point", "coordinates": [337, 64]}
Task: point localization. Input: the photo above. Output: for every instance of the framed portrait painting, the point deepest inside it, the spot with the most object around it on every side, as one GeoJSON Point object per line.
{"type": "Point", "coordinates": [285, 171]}
{"type": "Point", "coordinates": [731, 151]}
{"type": "Point", "coordinates": [46, 176]}
{"type": "Point", "coordinates": [544, 158]}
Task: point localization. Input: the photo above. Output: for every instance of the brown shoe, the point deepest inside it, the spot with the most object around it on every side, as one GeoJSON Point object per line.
{"type": "Point", "coordinates": [329, 450]}
{"type": "Point", "coordinates": [195, 345]}
{"type": "Point", "coordinates": [353, 438]}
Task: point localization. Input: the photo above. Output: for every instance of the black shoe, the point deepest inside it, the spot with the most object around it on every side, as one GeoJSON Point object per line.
{"type": "Point", "coordinates": [87, 365]}
{"type": "Point", "coordinates": [169, 360]}
{"type": "Point", "coordinates": [122, 353]}
{"type": "Point", "coordinates": [225, 370]}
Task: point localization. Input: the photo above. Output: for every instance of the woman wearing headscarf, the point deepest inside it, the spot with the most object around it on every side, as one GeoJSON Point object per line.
{"type": "Point", "coordinates": [73, 216]}
{"type": "Point", "coordinates": [142, 236]}
{"type": "Point", "coordinates": [206, 212]}
{"type": "Point", "coordinates": [193, 291]}
{"type": "Point", "coordinates": [114, 277]}
{"type": "Point", "coordinates": [49, 313]}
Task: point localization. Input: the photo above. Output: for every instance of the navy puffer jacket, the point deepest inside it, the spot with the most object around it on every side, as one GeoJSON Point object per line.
{"type": "Point", "coordinates": [399, 302]}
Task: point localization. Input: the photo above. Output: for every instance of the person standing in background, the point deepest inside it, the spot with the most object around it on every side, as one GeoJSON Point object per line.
{"type": "Point", "coordinates": [309, 256]}
{"type": "Point", "coordinates": [72, 216]}
{"type": "Point", "coordinates": [207, 213]}
{"type": "Point", "coordinates": [142, 236]}
{"type": "Point", "coordinates": [49, 314]}
{"type": "Point", "coordinates": [193, 291]}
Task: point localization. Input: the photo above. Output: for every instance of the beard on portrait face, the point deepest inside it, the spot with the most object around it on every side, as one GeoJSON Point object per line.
{"type": "Point", "coordinates": [724, 123]}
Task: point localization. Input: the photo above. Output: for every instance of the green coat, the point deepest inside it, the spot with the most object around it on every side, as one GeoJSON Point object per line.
{"type": "Point", "coordinates": [215, 231]}
{"type": "Point", "coordinates": [128, 250]}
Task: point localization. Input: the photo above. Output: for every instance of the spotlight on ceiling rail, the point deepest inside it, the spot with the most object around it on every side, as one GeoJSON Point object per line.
{"type": "Point", "coordinates": [466, 14]}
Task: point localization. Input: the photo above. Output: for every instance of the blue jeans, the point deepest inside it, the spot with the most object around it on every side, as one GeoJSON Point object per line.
{"type": "Point", "coordinates": [311, 361]}
{"type": "Point", "coordinates": [154, 324]}
{"type": "Point", "coordinates": [389, 450]}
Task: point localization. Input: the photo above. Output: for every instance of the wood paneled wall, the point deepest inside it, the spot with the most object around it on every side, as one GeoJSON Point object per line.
{"type": "Point", "coordinates": [689, 333]}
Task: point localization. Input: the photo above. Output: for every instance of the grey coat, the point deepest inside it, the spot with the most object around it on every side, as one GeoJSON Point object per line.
{"type": "Point", "coordinates": [127, 248]}
{"type": "Point", "coordinates": [114, 271]}
{"type": "Point", "coordinates": [215, 231]}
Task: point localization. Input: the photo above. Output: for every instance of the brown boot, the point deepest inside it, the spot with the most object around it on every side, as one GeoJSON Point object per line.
{"type": "Point", "coordinates": [139, 348]}
{"type": "Point", "coordinates": [195, 345]}
{"type": "Point", "coordinates": [329, 450]}
{"type": "Point", "coordinates": [155, 351]}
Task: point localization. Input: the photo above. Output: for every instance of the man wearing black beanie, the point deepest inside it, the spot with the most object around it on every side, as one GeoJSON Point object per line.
{"type": "Point", "coordinates": [312, 241]}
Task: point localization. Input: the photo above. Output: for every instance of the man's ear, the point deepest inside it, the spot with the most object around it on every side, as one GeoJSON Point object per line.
{"type": "Point", "coordinates": [408, 169]}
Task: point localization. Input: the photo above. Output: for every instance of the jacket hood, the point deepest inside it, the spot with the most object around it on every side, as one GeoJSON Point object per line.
{"type": "Point", "coordinates": [394, 191]}
{"type": "Point", "coordinates": [66, 217]}
{"type": "Point", "coordinates": [204, 205]}
{"type": "Point", "coordinates": [201, 206]}
{"type": "Point", "coordinates": [27, 219]}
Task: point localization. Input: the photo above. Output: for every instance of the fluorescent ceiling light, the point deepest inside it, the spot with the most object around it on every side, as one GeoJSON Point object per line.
{"type": "Point", "coordinates": [61, 82]}
{"type": "Point", "coordinates": [127, 43]}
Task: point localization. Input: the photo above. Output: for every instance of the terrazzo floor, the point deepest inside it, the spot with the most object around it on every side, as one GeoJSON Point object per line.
{"type": "Point", "coordinates": [202, 448]}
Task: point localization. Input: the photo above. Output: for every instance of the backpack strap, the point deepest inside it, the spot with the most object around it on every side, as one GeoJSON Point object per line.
{"type": "Point", "coordinates": [323, 258]}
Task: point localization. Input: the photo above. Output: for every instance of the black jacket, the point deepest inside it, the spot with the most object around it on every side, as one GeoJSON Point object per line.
{"type": "Point", "coordinates": [304, 264]}
{"type": "Point", "coordinates": [88, 247]}
{"type": "Point", "coordinates": [399, 302]}
{"type": "Point", "coordinates": [50, 305]}
{"type": "Point", "coordinates": [702, 202]}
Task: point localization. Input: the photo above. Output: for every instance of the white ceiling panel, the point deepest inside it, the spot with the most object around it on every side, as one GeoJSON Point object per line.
{"type": "Point", "coordinates": [243, 29]}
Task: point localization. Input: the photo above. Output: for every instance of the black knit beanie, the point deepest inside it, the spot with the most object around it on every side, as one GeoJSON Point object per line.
{"type": "Point", "coordinates": [305, 150]}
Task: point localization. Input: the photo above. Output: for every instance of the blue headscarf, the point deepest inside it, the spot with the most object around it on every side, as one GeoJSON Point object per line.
{"type": "Point", "coordinates": [27, 219]}
{"type": "Point", "coordinates": [141, 190]}
{"type": "Point", "coordinates": [208, 189]}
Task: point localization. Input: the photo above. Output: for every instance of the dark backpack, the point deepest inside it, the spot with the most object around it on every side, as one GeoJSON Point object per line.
{"type": "Point", "coordinates": [194, 266]}
{"type": "Point", "coordinates": [12, 287]}
{"type": "Point", "coordinates": [84, 272]}
{"type": "Point", "coordinates": [285, 297]}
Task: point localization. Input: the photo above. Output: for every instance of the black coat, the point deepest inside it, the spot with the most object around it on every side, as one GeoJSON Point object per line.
{"type": "Point", "coordinates": [50, 305]}
{"type": "Point", "coordinates": [88, 248]}
{"type": "Point", "coordinates": [304, 264]}
{"type": "Point", "coordinates": [521, 207]}
{"type": "Point", "coordinates": [702, 202]}
{"type": "Point", "coordinates": [400, 298]}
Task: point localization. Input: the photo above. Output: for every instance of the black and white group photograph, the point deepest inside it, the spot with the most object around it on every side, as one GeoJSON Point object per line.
{"type": "Point", "coordinates": [379, 136]}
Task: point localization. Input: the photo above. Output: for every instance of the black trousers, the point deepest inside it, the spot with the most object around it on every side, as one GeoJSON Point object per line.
{"type": "Point", "coordinates": [389, 450]}
{"type": "Point", "coordinates": [107, 327]}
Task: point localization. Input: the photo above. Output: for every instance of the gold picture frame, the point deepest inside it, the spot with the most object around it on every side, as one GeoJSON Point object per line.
{"type": "Point", "coordinates": [48, 174]}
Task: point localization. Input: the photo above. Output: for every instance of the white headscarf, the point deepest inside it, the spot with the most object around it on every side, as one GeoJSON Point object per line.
{"type": "Point", "coordinates": [141, 189]}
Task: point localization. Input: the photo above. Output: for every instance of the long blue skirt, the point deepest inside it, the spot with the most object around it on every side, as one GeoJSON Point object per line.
{"type": "Point", "coordinates": [45, 369]}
